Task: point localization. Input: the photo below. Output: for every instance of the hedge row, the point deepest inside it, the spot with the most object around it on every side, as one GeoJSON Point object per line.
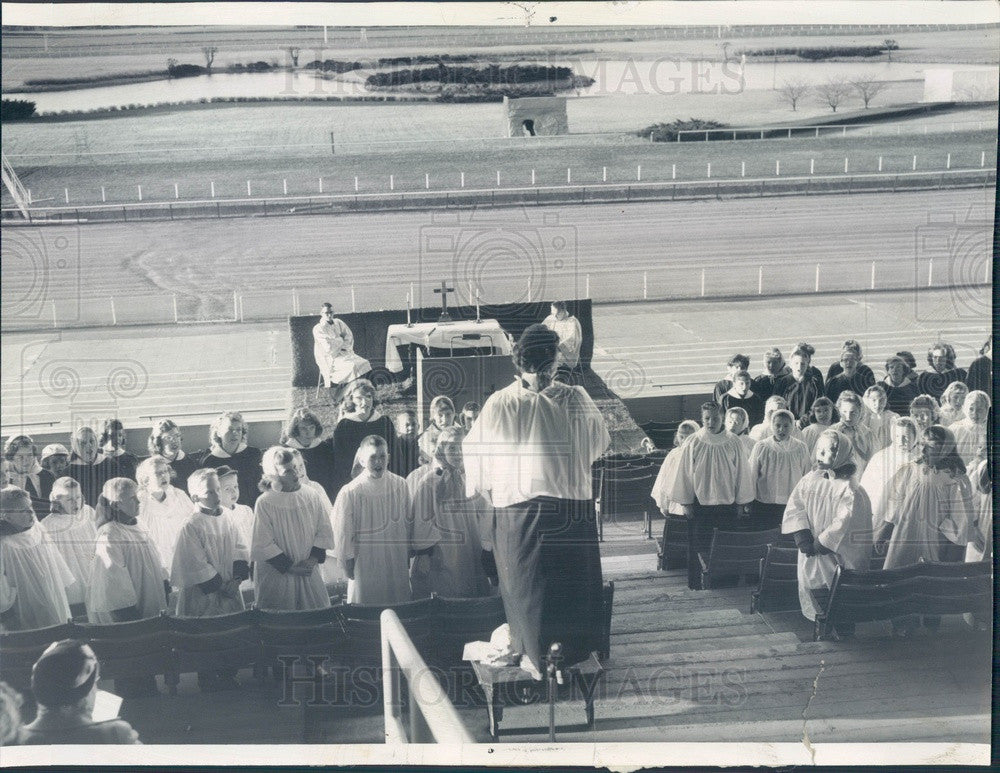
{"type": "Point", "coordinates": [490, 75]}
{"type": "Point", "coordinates": [16, 109]}
{"type": "Point", "coordinates": [668, 132]}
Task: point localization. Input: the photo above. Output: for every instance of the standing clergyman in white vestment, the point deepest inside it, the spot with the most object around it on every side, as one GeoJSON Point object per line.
{"type": "Point", "coordinates": [567, 327]}
{"type": "Point", "coordinates": [333, 348]}
{"type": "Point", "coordinates": [530, 453]}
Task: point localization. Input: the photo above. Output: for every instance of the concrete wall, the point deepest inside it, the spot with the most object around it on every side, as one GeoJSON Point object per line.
{"type": "Point", "coordinates": [547, 113]}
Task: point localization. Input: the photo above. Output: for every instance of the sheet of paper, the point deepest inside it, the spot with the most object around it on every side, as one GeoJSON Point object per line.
{"type": "Point", "coordinates": [106, 706]}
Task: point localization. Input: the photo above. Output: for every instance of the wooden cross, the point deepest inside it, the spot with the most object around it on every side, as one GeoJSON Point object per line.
{"type": "Point", "coordinates": [444, 290]}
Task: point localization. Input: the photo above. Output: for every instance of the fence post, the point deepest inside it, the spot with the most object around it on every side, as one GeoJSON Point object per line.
{"type": "Point", "coordinates": [760, 280]}
{"type": "Point", "coordinates": [103, 197]}
{"type": "Point", "coordinates": [982, 159]}
{"type": "Point", "coordinates": [914, 163]}
{"type": "Point", "coordinates": [812, 166]}
{"type": "Point", "coordinates": [638, 173]}
{"type": "Point", "coordinates": [320, 184]}
{"type": "Point", "coordinates": [873, 275]}
{"type": "Point", "coordinates": [673, 171]}
{"type": "Point", "coordinates": [212, 186]}
{"type": "Point", "coordinates": [139, 188]}
{"type": "Point", "coordinates": [743, 168]}
{"type": "Point", "coordinates": [249, 191]}
{"type": "Point", "coordinates": [177, 192]}
{"type": "Point", "coordinates": [604, 171]}
{"type": "Point", "coordinates": [532, 176]}
{"type": "Point", "coordinates": [880, 163]}
{"type": "Point", "coordinates": [703, 283]}
{"type": "Point", "coordinates": [354, 306]}
{"type": "Point", "coordinates": [947, 163]}
{"type": "Point", "coordinates": [817, 279]}
{"type": "Point", "coordinates": [66, 193]}
{"type": "Point", "coordinates": [355, 183]}
{"type": "Point", "coordinates": [237, 306]}
{"type": "Point", "coordinates": [845, 165]}
{"type": "Point", "coordinates": [392, 182]}
{"type": "Point", "coordinates": [498, 178]}
{"type": "Point", "coordinates": [708, 170]}
{"type": "Point", "coordinates": [930, 272]}
{"type": "Point", "coordinates": [587, 291]}
{"type": "Point", "coordinates": [427, 180]}
{"type": "Point", "coordinates": [777, 167]}
{"type": "Point", "coordinates": [114, 315]}
{"type": "Point", "coordinates": [645, 286]}
{"type": "Point", "coordinates": [569, 175]}
{"type": "Point", "coordinates": [176, 317]}
{"type": "Point", "coordinates": [55, 319]}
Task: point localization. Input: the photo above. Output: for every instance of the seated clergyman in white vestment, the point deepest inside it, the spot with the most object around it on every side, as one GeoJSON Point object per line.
{"type": "Point", "coordinates": [333, 347]}
{"type": "Point", "coordinates": [567, 327]}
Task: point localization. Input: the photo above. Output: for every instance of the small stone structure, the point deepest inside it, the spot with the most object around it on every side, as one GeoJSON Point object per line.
{"type": "Point", "coordinates": [960, 84]}
{"type": "Point", "coordinates": [536, 116]}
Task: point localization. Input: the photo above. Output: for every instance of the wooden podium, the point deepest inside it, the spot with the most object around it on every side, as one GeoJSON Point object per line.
{"type": "Point", "coordinates": [463, 379]}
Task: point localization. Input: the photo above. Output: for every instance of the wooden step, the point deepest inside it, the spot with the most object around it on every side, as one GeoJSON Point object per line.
{"type": "Point", "coordinates": [634, 654]}
{"type": "Point", "coordinates": [750, 626]}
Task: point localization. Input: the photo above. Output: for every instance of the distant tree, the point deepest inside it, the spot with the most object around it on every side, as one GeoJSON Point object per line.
{"type": "Point", "coordinates": [725, 50]}
{"type": "Point", "coordinates": [171, 64]}
{"type": "Point", "coordinates": [868, 87]}
{"type": "Point", "coordinates": [790, 92]}
{"type": "Point", "coordinates": [833, 92]}
{"type": "Point", "coordinates": [16, 109]}
{"type": "Point", "coordinates": [293, 54]}
{"type": "Point", "coordinates": [890, 45]}
{"type": "Point", "coordinates": [527, 10]}
{"type": "Point", "coordinates": [209, 52]}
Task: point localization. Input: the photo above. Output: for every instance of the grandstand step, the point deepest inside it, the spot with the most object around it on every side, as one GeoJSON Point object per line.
{"type": "Point", "coordinates": [640, 653]}
{"type": "Point", "coordinates": [671, 596]}
{"type": "Point", "coordinates": [665, 620]}
{"type": "Point", "coordinates": [751, 627]}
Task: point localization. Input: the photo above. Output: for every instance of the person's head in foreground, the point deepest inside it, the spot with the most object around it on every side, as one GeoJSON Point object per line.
{"type": "Point", "coordinates": [442, 412]}
{"type": "Point", "coordinates": [406, 424]}
{"type": "Point", "coordinates": [55, 459]}
{"type": "Point", "coordinates": [782, 422]}
{"type": "Point", "coordinates": [16, 514]}
{"type": "Point", "coordinates": [954, 396]}
{"type": "Point", "coordinates": [941, 357]}
{"type": "Point", "coordinates": [875, 399]}
{"type": "Point", "coordinates": [229, 486]}
{"type": "Point", "coordinates": [559, 310]}
{"type": "Point", "coordinates": [10, 714]}
{"type": "Point", "coordinates": [21, 452]}
{"type": "Point", "coordinates": [280, 472]}
{"type": "Point", "coordinates": [228, 432]}
{"type": "Point", "coordinates": [711, 417]}
{"type": "Point", "coordinates": [165, 439]}
{"type": "Point", "coordinates": [977, 407]}
{"type": "Point", "coordinates": [904, 434]}
{"type": "Point", "coordinates": [372, 457]}
{"type": "Point", "coordinates": [833, 454]}
{"type": "Point", "coordinates": [534, 353]}
{"type": "Point", "coordinates": [359, 399]}
{"type": "Point", "coordinates": [741, 383]}
{"type": "Point", "coordinates": [85, 445]}
{"type": "Point", "coordinates": [850, 409]}
{"type": "Point", "coordinates": [822, 410]}
{"type": "Point", "coordinates": [204, 489]}
{"type": "Point", "coordinates": [896, 370]}
{"type": "Point", "coordinates": [470, 412]}
{"type": "Point", "coordinates": [737, 363]}
{"type": "Point", "coordinates": [304, 427]}
{"type": "Point", "coordinates": [154, 474]}
{"type": "Point", "coordinates": [736, 421]}
{"type": "Point", "coordinates": [772, 404]}
{"type": "Point", "coordinates": [119, 501]}
{"type": "Point", "coordinates": [774, 361]}
{"type": "Point", "coordinates": [66, 496]}
{"type": "Point", "coordinates": [939, 452]}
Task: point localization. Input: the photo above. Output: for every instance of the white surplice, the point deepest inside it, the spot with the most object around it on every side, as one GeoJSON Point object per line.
{"type": "Point", "coordinates": [333, 348]}
{"type": "Point", "coordinates": [528, 444]}
{"type": "Point", "coordinates": [206, 546]}
{"type": "Point", "coordinates": [969, 439]}
{"type": "Point", "coordinates": [75, 536]}
{"type": "Point", "coordinates": [163, 520]}
{"type": "Point", "coordinates": [776, 468]}
{"type": "Point", "coordinates": [880, 426]}
{"type": "Point", "coordinates": [838, 514]}
{"type": "Point", "coordinates": [241, 516]}
{"type": "Point", "coordinates": [293, 523]}
{"type": "Point", "coordinates": [863, 444]}
{"type": "Point", "coordinates": [128, 571]}
{"type": "Point", "coordinates": [664, 482]}
{"type": "Point", "coordinates": [570, 338]}
{"type": "Point", "coordinates": [878, 476]}
{"type": "Point", "coordinates": [982, 503]}
{"type": "Point", "coordinates": [374, 525]}
{"type": "Point", "coordinates": [713, 469]}
{"type": "Point", "coordinates": [928, 507]}
{"type": "Point", "coordinates": [33, 580]}
{"type": "Point", "coordinates": [330, 570]}
{"type": "Point", "coordinates": [811, 434]}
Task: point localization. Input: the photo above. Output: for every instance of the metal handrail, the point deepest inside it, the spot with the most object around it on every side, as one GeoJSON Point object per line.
{"type": "Point", "coordinates": [432, 717]}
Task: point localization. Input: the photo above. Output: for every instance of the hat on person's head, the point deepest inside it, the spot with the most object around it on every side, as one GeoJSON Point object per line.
{"type": "Point", "coordinates": [225, 471]}
{"type": "Point", "coordinates": [53, 449]}
{"type": "Point", "coordinates": [64, 674]}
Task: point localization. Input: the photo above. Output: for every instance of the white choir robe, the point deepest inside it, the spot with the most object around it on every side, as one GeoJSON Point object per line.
{"type": "Point", "coordinates": [163, 520]}
{"type": "Point", "coordinates": [948, 415]}
{"type": "Point", "coordinates": [776, 468]}
{"type": "Point", "coordinates": [416, 477]}
{"type": "Point", "coordinates": [664, 483]}
{"type": "Point", "coordinates": [330, 569]}
{"type": "Point", "coordinates": [863, 444]}
{"type": "Point", "coordinates": [241, 516]}
{"type": "Point", "coordinates": [207, 546]}
{"type": "Point", "coordinates": [878, 476]}
{"type": "Point", "coordinates": [969, 439]}
{"type": "Point", "coordinates": [880, 426]}
{"type": "Point", "coordinates": [33, 580]}
{"type": "Point", "coordinates": [374, 525]}
{"type": "Point", "coordinates": [712, 469]}
{"type": "Point", "coordinates": [456, 566]}
{"type": "Point", "coordinates": [528, 444]}
{"type": "Point", "coordinates": [761, 431]}
{"type": "Point", "coordinates": [570, 338]}
{"type": "Point", "coordinates": [748, 444]}
{"type": "Point", "coordinates": [293, 523]}
{"type": "Point", "coordinates": [127, 572]}
{"type": "Point", "coordinates": [838, 514]}
{"type": "Point", "coordinates": [333, 348]}
{"type": "Point", "coordinates": [811, 434]}
{"type": "Point", "coordinates": [926, 508]}
{"type": "Point", "coordinates": [75, 536]}
{"type": "Point", "coordinates": [982, 503]}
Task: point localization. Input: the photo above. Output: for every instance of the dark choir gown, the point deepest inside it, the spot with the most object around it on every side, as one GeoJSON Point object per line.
{"type": "Point", "coordinates": [753, 405]}
{"type": "Point", "coordinates": [247, 466]}
{"type": "Point", "coordinates": [346, 438]}
{"type": "Point", "coordinates": [91, 477]}
{"type": "Point", "coordinates": [181, 470]}
{"type": "Point", "coordinates": [404, 455]}
{"type": "Point", "coordinates": [319, 463]}
{"type": "Point", "coordinates": [123, 466]}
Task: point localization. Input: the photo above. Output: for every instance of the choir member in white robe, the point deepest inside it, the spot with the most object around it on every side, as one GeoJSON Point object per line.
{"type": "Point", "coordinates": [884, 465]}
{"type": "Point", "coordinates": [829, 516]}
{"type": "Point", "coordinates": [333, 348]}
{"type": "Point", "coordinates": [924, 411]}
{"type": "Point", "coordinates": [530, 452]}
{"type": "Point", "coordinates": [760, 431]}
{"type": "Point", "coordinates": [567, 327]}
{"type": "Point", "coordinates": [417, 477]}
{"type": "Point", "coordinates": [33, 576]}
{"type": "Point", "coordinates": [241, 516]}
{"type": "Point", "coordinates": [456, 563]}
{"type": "Point", "coordinates": [852, 424]}
{"type": "Point", "coordinates": [737, 421]}
{"type": "Point", "coordinates": [876, 417]}
{"type": "Point", "coordinates": [210, 560]}
{"type": "Point", "coordinates": [777, 464]}
{"type": "Point", "coordinates": [822, 414]}
{"type": "Point", "coordinates": [930, 515]}
{"type": "Point", "coordinates": [329, 569]}
{"type": "Point", "coordinates": [71, 528]}
{"type": "Point", "coordinates": [128, 580]}
{"type": "Point", "coordinates": [970, 432]}
{"type": "Point", "coordinates": [981, 545]}
{"type": "Point", "coordinates": [163, 507]}
{"type": "Point", "coordinates": [668, 469]}
{"type": "Point", "coordinates": [442, 416]}
{"type": "Point", "coordinates": [713, 484]}
{"type": "Point", "coordinates": [952, 403]}
{"type": "Point", "coordinates": [375, 532]}
{"type": "Point", "coordinates": [291, 535]}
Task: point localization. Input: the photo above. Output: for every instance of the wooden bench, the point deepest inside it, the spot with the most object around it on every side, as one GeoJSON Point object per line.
{"type": "Point", "coordinates": [671, 550]}
{"type": "Point", "coordinates": [921, 589]}
{"type": "Point", "coordinates": [736, 553]}
{"type": "Point", "coordinates": [778, 588]}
